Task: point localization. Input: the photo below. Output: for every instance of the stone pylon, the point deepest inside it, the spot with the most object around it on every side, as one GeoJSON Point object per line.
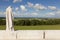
{"type": "Point", "coordinates": [9, 19]}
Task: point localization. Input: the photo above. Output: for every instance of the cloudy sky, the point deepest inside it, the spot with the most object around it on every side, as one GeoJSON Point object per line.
{"type": "Point", "coordinates": [31, 8]}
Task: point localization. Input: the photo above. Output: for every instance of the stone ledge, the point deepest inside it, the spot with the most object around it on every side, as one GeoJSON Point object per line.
{"type": "Point", "coordinates": [30, 34]}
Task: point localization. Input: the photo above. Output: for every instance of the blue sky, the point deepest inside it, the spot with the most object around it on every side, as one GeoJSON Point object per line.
{"type": "Point", "coordinates": [31, 8]}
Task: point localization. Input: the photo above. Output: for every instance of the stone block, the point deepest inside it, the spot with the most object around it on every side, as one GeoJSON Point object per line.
{"type": "Point", "coordinates": [52, 34]}
{"type": "Point", "coordinates": [7, 35]}
{"type": "Point", "coordinates": [30, 34]}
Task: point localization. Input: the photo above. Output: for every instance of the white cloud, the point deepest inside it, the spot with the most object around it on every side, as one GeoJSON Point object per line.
{"type": "Point", "coordinates": [2, 14]}
{"type": "Point", "coordinates": [36, 6]}
{"type": "Point", "coordinates": [58, 12]}
{"type": "Point", "coordinates": [51, 13]}
{"type": "Point", "coordinates": [15, 14]}
{"type": "Point", "coordinates": [30, 4]}
{"type": "Point", "coordinates": [16, 8]}
{"type": "Point", "coordinates": [52, 7]}
{"type": "Point", "coordinates": [34, 14]}
{"type": "Point", "coordinates": [14, 1]}
{"type": "Point", "coordinates": [23, 8]}
{"type": "Point", "coordinates": [40, 7]}
{"type": "Point", "coordinates": [54, 14]}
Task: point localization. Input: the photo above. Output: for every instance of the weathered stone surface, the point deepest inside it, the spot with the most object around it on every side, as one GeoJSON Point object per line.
{"type": "Point", "coordinates": [52, 34]}
{"type": "Point", "coordinates": [29, 34]}
{"type": "Point", "coordinates": [7, 35]}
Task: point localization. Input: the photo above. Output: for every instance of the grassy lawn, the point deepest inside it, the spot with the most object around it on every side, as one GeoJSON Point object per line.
{"type": "Point", "coordinates": [41, 27]}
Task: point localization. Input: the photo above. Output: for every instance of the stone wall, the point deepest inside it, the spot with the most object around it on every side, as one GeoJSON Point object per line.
{"type": "Point", "coordinates": [30, 34]}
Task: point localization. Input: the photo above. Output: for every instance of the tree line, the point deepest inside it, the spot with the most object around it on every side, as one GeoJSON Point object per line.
{"type": "Point", "coordinates": [32, 22]}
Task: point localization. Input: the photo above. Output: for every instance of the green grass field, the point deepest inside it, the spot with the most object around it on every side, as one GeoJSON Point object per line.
{"type": "Point", "coordinates": [42, 27]}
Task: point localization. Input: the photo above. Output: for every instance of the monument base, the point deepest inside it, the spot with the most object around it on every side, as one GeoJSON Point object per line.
{"type": "Point", "coordinates": [21, 35]}
{"type": "Point", "coordinates": [30, 35]}
{"type": "Point", "coordinates": [5, 35]}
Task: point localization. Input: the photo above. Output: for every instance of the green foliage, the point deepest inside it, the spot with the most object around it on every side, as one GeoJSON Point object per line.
{"type": "Point", "coordinates": [2, 22]}
{"type": "Point", "coordinates": [32, 22]}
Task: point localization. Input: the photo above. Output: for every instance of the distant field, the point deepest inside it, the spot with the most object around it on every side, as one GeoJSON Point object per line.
{"type": "Point", "coordinates": [41, 27]}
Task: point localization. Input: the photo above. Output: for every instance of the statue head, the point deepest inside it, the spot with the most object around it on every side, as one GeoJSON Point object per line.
{"type": "Point", "coordinates": [9, 8]}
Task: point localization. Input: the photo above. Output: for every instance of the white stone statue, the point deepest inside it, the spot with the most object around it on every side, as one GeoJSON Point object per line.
{"type": "Point", "coordinates": [9, 19]}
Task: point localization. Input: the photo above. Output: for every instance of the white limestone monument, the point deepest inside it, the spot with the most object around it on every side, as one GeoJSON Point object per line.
{"type": "Point", "coordinates": [9, 19]}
